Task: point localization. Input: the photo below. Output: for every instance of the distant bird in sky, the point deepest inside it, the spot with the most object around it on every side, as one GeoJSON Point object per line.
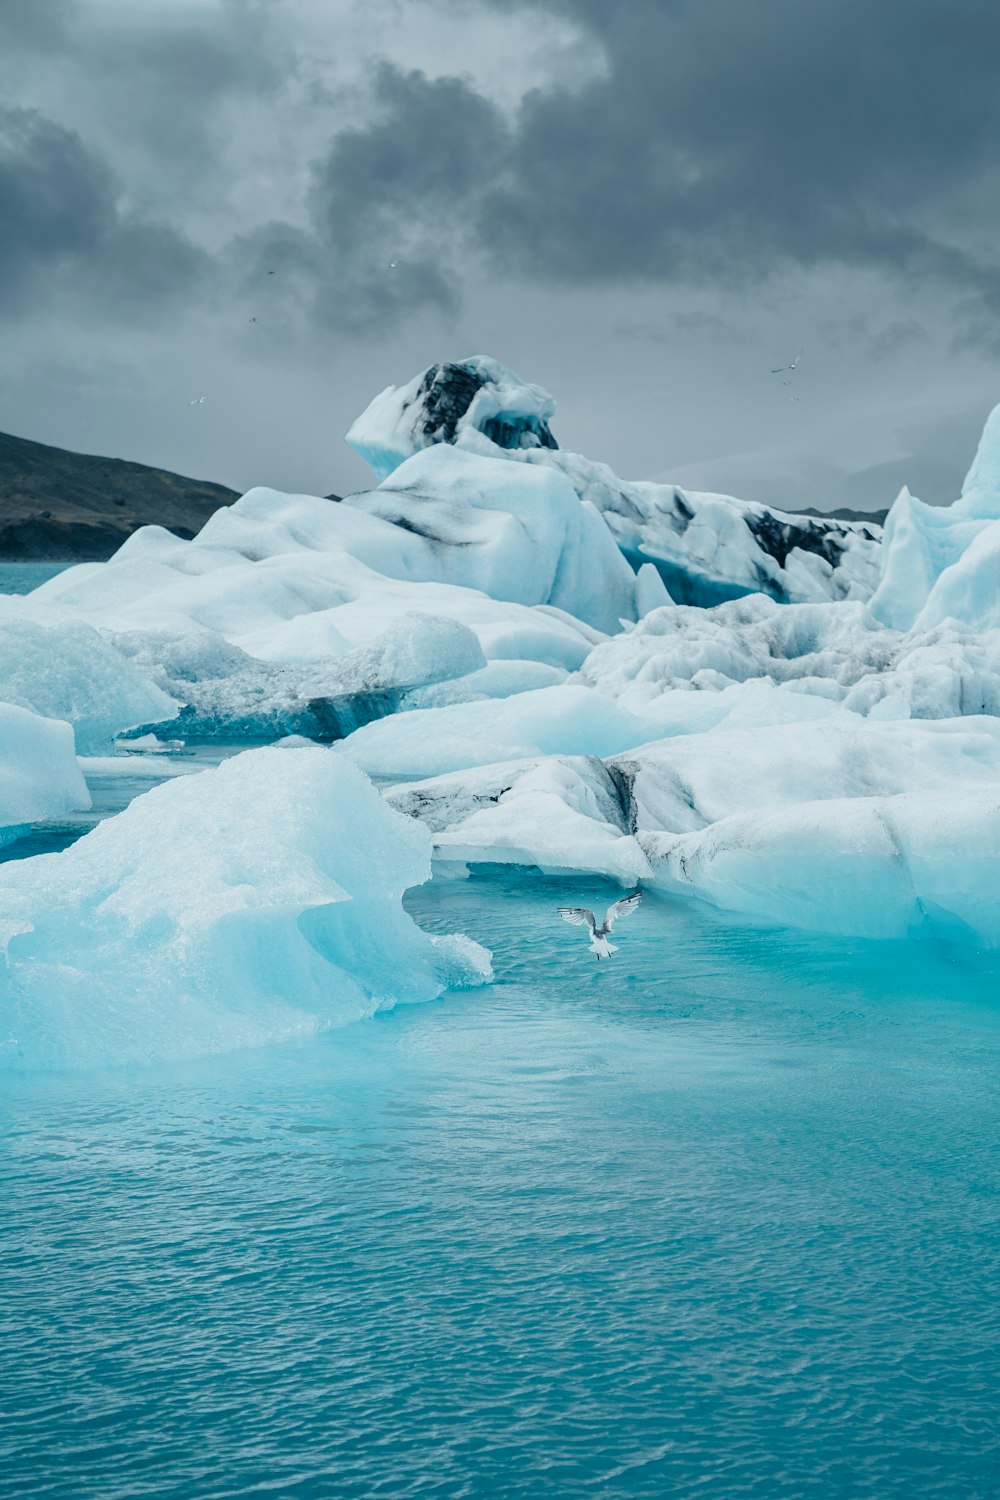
{"type": "Point", "coordinates": [270, 273]}
{"type": "Point", "coordinates": [253, 320]}
{"type": "Point", "coordinates": [780, 369]}
{"type": "Point", "coordinates": [580, 916]}
{"type": "Point", "coordinates": [391, 266]}
{"type": "Point", "coordinates": [198, 401]}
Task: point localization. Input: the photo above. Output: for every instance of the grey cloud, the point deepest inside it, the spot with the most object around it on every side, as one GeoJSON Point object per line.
{"type": "Point", "coordinates": [62, 225]}
{"type": "Point", "coordinates": [387, 234]}
{"type": "Point", "coordinates": [724, 144]}
{"type": "Point", "coordinates": [727, 142]}
{"type": "Point", "coordinates": [33, 26]}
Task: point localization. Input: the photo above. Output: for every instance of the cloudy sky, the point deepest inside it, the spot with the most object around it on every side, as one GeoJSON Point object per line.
{"type": "Point", "coordinates": [641, 204]}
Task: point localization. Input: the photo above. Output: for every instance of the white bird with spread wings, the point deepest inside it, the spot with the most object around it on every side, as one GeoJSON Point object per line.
{"type": "Point", "coordinates": [580, 917]}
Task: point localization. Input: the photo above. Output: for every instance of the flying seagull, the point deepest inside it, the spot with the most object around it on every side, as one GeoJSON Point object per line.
{"type": "Point", "coordinates": [780, 369]}
{"type": "Point", "coordinates": [580, 917]}
{"type": "Point", "coordinates": [198, 401]}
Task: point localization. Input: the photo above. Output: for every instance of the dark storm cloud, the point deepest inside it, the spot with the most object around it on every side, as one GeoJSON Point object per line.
{"type": "Point", "coordinates": [729, 139]}
{"type": "Point", "coordinates": [387, 231]}
{"type": "Point", "coordinates": [62, 225]}
{"type": "Point", "coordinates": [724, 143]}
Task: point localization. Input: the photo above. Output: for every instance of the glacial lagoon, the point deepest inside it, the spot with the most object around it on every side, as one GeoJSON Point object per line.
{"type": "Point", "coordinates": [712, 1218]}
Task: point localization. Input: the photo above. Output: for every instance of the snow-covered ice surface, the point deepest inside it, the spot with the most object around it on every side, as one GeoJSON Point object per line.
{"type": "Point", "coordinates": [243, 905]}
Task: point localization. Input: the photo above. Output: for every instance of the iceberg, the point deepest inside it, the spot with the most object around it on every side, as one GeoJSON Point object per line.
{"type": "Point", "coordinates": [839, 825]}
{"type": "Point", "coordinates": [237, 906]}
{"type": "Point", "coordinates": [706, 547]}
{"type": "Point", "coordinates": [61, 668]}
{"type": "Point", "coordinates": [557, 814]}
{"type": "Point", "coordinates": [908, 866]}
{"type": "Point", "coordinates": [940, 563]}
{"type": "Point", "coordinates": [229, 695]}
{"type": "Point", "coordinates": [685, 662]}
{"type": "Point", "coordinates": [291, 614]}
{"type": "Point", "coordinates": [515, 533]}
{"type": "Point", "coordinates": [448, 402]}
{"type": "Point", "coordinates": [39, 773]}
{"type": "Point", "coordinates": [567, 720]}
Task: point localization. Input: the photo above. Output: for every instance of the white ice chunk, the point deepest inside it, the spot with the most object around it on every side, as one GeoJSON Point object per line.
{"type": "Point", "coordinates": [228, 694]}
{"type": "Point", "coordinates": [295, 578]}
{"type": "Point", "coordinates": [39, 774]}
{"type": "Point", "coordinates": [680, 664]}
{"type": "Point", "coordinates": [557, 814]}
{"type": "Point", "coordinates": [243, 905]}
{"type": "Point", "coordinates": [569, 720]}
{"type": "Point", "coordinates": [515, 532]}
{"type": "Point", "coordinates": [477, 398]}
{"type": "Point", "coordinates": [898, 867]}
{"type": "Point", "coordinates": [63, 669]}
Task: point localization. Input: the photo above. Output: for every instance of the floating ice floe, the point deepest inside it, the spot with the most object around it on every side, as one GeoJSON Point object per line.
{"type": "Point", "coordinates": [706, 547]}
{"type": "Point", "coordinates": [842, 825]}
{"type": "Point", "coordinates": [258, 901]}
{"type": "Point", "coordinates": [39, 774]}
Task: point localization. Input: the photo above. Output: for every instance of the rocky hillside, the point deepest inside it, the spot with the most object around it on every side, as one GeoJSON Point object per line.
{"type": "Point", "coordinates": [55, 504]}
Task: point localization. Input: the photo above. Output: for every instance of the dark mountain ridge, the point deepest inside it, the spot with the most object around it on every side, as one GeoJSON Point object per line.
{"type": "Point", "coordinates": [56, 504]}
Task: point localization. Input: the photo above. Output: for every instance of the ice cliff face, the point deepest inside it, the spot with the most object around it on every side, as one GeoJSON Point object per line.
{"type": "Point", "coordinates": [706, 547]}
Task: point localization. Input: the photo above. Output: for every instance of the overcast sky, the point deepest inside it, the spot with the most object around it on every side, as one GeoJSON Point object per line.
{"type": "Point", "coordinates": [643, 205]}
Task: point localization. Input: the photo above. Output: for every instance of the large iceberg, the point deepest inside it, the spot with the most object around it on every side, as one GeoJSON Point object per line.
{"type": "Point", "coordinates": [484, 634]}
{"type": "Point", "coordinates": [298, 614]}
{"type": "Point", "coordinates": [251, 903]}
{"type": "Point", "coordinates": [706, 547]}
{"type": "Point", "coordinates": [449, 403]}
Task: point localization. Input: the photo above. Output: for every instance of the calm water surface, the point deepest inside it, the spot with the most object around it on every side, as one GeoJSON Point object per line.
{"type": "Point", "coordinates": [22, 577]}
{"type": "Point", "coordinates": [718, 1218]}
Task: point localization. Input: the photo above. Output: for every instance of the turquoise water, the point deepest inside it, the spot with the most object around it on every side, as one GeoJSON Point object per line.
{"type": "Point", "coordinates": [22, 577]}
{"type": "Point", "coordinates": [718, 1218]}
